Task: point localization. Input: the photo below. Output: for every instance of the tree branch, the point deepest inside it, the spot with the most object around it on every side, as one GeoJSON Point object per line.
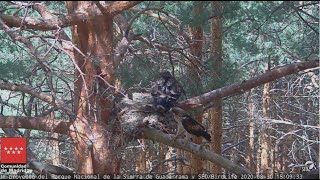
{"type": "Point", "coordinates": [65, 21]}
{"type": "Point", "coordinates": [174, 23]}
{"type": "Point", "coordinates": [166, 139]}
{"type": "Point", "coordinates": [42, 96]}
{"type": "Point", "coordinates": [26, 89]}
{"type": "Point", "coordinates": [307, 23]}
{"type": "Point", "coordinates": [39, 24]}
{"type": "Point", "coordinates": [41, 60]}
{"type": "Point", "coordinates": [45, 168]}
{"type": "Point", "coordinates": [139, 120]}
{"type": "Point", "coordinates": [35, 123]}
{"type": "Point", "coordinates": [118, 6]}
{"type": "Point", "coordinates": [239, 88]}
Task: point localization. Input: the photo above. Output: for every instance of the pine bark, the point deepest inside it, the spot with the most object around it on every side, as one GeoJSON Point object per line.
{"type": "Point", "coordinates": [250, 152]}
{"type": "Point", "coordinates": [95, 147]}
{"type": "Point", "coordinates": [215, 113]}
{"type": "Point", "coordinates": [265, 133]}
{"type": "Point", "coordinates": [196, 45]}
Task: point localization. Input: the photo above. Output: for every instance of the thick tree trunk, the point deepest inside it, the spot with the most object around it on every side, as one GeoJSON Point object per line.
{"type": "Point", "coordinates": [265, 132]}
{"type": "Point", "coordinates": [196, 51]}
{"type": "Point", "coordinates": [196, 44]}
{"type": "Point", "coordinates": [250, 157]}
{"type": "Point", "coordinates": [216, 56]}
{"type": "Point", "coordinates": [95, 147]}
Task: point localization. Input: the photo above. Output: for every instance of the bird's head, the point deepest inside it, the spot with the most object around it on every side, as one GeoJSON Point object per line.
{"type": "Point", "coordinates": [165, 74]}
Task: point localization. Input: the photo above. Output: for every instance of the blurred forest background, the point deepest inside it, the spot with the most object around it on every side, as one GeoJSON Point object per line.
{"type": "Point", "coordinates": [65, 66]}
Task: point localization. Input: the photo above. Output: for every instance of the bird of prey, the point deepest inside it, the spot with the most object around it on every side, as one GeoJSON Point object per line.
{"type": "Point", "coordinates": [166, 91]}
{"type": "Point", "coordinates": [187, 124]}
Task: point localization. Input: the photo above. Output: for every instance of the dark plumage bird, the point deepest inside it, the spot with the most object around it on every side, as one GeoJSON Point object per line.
{"type": "Point", "coordinates": [166, 91]}
{"type": "Point", "coordinates": [188, 124]}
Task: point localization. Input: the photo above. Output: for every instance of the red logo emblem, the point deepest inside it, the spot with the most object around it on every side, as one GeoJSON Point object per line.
{"type": "Point", "coordinates": [13, 151]}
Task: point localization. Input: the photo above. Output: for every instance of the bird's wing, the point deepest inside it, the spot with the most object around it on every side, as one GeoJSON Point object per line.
{"type": "Point", "coordinates": [195, 128]}
{"type": "Point", "coordinates": [192, 123]}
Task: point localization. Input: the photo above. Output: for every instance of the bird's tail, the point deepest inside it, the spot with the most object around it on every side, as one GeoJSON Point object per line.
{"type": "Point", "coordinates": [206, 136]}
